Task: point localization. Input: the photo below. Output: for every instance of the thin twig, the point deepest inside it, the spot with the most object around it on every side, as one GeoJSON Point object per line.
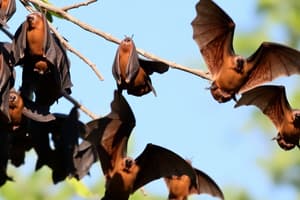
{"type": "Point", "coordinates": [80, 106]}
{"type": "Point", "coordinates": [9, 34]}
{"type": "Point", "coordinates": [66, 44]}
{"type": "Point", "coordinates": [77, 5]}
{"type": "Point", "coordinates": [111, 38]}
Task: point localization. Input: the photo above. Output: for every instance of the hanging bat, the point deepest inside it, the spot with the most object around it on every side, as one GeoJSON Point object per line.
{"type": "Point", "coordinates": [65, 135]}
{"type": "Point", "coordinates": [180, 186]}
{"type": "Point", "coordinates": [7, 10]}
{"type": "Point", "coordinates": [213, 32]}
{"type": "Point", "coordinates": [43, 59]}
{"type": "Point", "coordinates": [7, 80]}
{"type": "Point", "coordinates": [65, 131]}
{"type": "Point", "coordinates": [272, 101]}
{"type": "Point", "coordinates": [133, 73]}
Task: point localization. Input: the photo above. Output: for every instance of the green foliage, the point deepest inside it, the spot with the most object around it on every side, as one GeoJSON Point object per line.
{"type": "Point", "coordinates": [285, 14]}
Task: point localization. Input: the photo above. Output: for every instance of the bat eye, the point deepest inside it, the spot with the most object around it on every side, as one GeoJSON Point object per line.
{"type": "Point", "coordinates": [12, 97]}
{"type": "Point", "coordinates": [128, 163]}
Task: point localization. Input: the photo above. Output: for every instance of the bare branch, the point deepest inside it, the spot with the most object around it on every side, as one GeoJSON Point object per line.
{"type": "Point", "coordinates": [66, 44]}
{"type": "Point", "coordinates": [110, 38]}
{"type": "Point", "coordinates": [86, 3]}
{"type": "Point", "coordinates": [80, 106]}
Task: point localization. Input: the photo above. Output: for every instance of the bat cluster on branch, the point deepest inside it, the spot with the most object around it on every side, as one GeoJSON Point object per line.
{"type": "Point", "coordinates": [27, 123]}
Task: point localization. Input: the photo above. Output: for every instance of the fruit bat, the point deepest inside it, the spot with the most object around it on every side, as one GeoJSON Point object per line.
{"type": "Point", "coordinates": [109, 136]}
{"type": "Point", "coordinates": [46, 68]}
{"type": "Point", "coordinates": [7, 79]}
{"type": "Point", "coordinates": [213, 32]}
{"type": "Point", "coordinates": [7, 10]}
{"type": "Point", "coordinates": [153, 163]}
{"type": "Point", "coordinates": [131, 72]}
{"type": "Point", "coordinates": [105, 132]}
{"type": "Point", "coordinates": [272, 101]}
{"type": "Point", "coordinates": [180, 186]}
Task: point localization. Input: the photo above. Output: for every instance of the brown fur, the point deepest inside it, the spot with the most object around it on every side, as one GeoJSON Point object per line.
{"type": "Point", "coordinates": [35, 39]}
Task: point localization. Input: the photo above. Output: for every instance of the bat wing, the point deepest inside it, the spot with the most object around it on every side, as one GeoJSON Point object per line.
{"type": "Point", "coordinates": [19, 44]}
{"type": "Point", "coordinates": [270, 61]}
{"type": "Point", "coordinates": [108, 132]}
{"type": "Point", "coordinates": [157, 162]}
{"type": "Point", "coordinates": [213, 32]}
{"type": "Point", "coordinates": [7, 79]}
{"type": "Point", "coordinates": [8, 12]}
{"type": "Point", "coordinates": [150, 66]}
{"type": "Point", "coordinates": [37, 113]}
{"type": "Point", "coordinates": [271, 100]}
{"type": "Point", "coordinates": [85, 156]}
{"type": "Point", "coordinates": [206, 185]}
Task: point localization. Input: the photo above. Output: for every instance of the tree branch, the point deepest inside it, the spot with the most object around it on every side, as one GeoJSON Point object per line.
{"type": "Point", "coordinates": [80, 106]}
{"type": "Point", "coordinates": [111, 38]}
{"type": "Point", "coordinates": [86, 3]}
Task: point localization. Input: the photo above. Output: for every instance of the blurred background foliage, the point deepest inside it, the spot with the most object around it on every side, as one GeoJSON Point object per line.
{"type": "Point", "coordinates": [282, 167]}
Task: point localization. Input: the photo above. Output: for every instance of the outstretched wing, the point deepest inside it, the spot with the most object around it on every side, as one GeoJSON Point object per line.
{"type": "Point", "coordinates": [271, 100]}
{"type": "Point", "coordinates": [213, 31]}
{"type": "Point", "coordinates": [151, 66]}
{"type": "Point", "coordinates": [107, 133]}
{"type": "Point", "coordinates": [270, 61]}
{"type": "Point", "coordinates": [206, 185]}
{"type": "Point", "coordinates": [157, 162]}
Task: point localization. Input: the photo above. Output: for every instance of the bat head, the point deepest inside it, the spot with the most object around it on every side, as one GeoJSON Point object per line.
{"type": "Point", "coordinates": [16, 105]}
{"type": "Point", "coordinates": [128, 164]}
{"type": "Point", "coordinates": [34, 20]}
{"type": "Point", "coordinates": [285, 145]}
{"type": "Point", "coordinates": [126, 44]}
{"type": "Point", "coordinates": [219, 95]}
{"type": "Point", "coordinates": [15, 100]}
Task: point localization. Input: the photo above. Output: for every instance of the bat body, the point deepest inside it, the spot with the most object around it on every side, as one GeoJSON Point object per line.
{"type": "Point", "coordinates": [131, 72]}
{"type": "Point", "coordinates": [180, 187]}
{"type": "Point", "coordinates": [213, 32]}
{"type": "Point", "coordinates": [44, 61]}
{"type": "Point", "coordinates": [153, 163]}
{"type": "Point", "coordinates": [7, 10]}
{"type": "Point", "coordinates": [272, 101]}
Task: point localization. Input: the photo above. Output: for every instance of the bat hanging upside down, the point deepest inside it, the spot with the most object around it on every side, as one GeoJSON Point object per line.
{"type": "Point", "coordinates": [213, 32]}
{"type": "Point", "coordinates": [133, 73]}
{"type": "Point", "coordinates": [44, 62]}
{"type": "Point", "coordinates": [272, 101]}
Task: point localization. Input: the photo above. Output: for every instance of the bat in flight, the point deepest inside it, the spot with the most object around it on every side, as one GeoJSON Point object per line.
{"type": "Point", "coordinates": [180, 187]}
{"type": "Point", "coordinates": [45, 65]}
{"type": "Point", "coordinates": [233, 74]}
{"type": "Point", "coordinates": [7, 10]}
{"type": "Point", "coordinates": [133, 73]}
{"type": "Point", "coordinates": [105, 132]}
{"type": "Point", "coordinates": [272, 101]}
{"type": "Point", "coordinates": [124, 175]}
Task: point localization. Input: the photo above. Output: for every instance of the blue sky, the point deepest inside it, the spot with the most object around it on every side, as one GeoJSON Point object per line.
{"type": "Point", "coordinates": [183, 117]}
